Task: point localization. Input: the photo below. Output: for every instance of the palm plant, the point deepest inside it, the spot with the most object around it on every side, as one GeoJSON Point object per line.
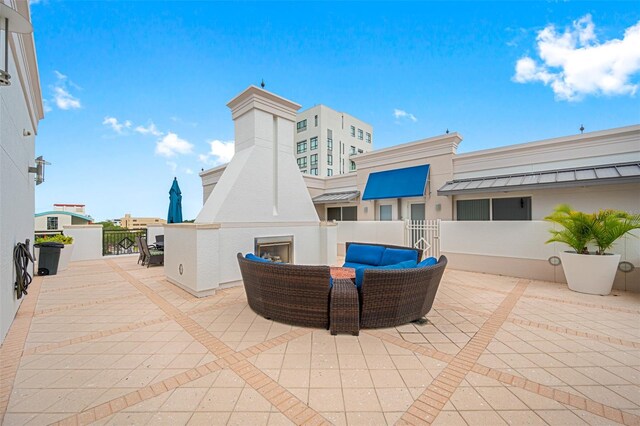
{"type": "Point", "coordinates": [576, 228]}
{"type": "Point", "coordinates": [609, 225]}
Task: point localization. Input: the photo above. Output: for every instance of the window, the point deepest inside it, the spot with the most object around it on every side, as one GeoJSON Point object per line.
{"type": "Point", "coordinates": [472, 209]}
{"type": "Point", "coordinates": [329, 172]}
{"type": "Point", "coordinates": [342, 213]}
{"type": "Point", "coordinates": [313, 143]}
{"type": "Point", "coordinates": [360, 134]}
{"type": "Point", "coordinates": [417, 211]}
{"type": "Point", "coordinates": [353, 131]}
{"type": "Point", "coordinates": [334, 213]}
{"type": "Point", "coordinates": [302, 162]}
{"type": "Point", "coordinates": [316, 120]}
{"type": "Point", "coordinates": [302, 147]}
{"type": "Point", "coordinates": [360, 151]}
{"type": "Point", "coordinates": [353, 150]}
{"type": "Point", "coordinates": [518, 208]}
{"type": "Point", "coordinates": [314, 171]}
{"type": "Point", "coordinates": [314, 160]}
{"type": "Point", "coordinates": [301, 126]}
{"type": "Point", "coordinates": [52, 223]}
{"type": "Point", "coordinates": [330, 159]}
{"type": "Point", "coordinates": [352, 166]}
{"type": "Point", "coordinates": [368, 137]}
{"type": "Point", "coordinates": [330, 145]}
{"type": "Point", "coordinates": [385, 212]}
{"type": "Point", "coordinates": [330, 138]}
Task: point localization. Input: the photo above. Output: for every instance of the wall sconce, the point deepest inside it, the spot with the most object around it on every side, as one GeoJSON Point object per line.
{"type": "Point", "coordinates": [11, 22]}
{"type": "Point", "coordinates": [26, 133]}
{"type": "Point", "coordinates": [39, 169]}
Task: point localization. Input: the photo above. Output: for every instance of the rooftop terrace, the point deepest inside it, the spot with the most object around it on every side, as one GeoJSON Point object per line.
{"type": "Point", "coordinates": [111, 342]}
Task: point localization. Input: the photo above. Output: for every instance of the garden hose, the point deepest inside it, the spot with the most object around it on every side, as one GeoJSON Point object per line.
{"type": "Point", "coordinates": [21, 258]}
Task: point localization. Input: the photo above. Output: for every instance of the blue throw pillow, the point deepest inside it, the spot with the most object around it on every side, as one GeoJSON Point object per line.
{"type": "Point", "coordinates": [402, 265]}
{"type": "Point", "coordinates": [429, 261]}
{"type": "Point", "coordinates": [251, 256]}
{"type": "Point", "coordinates": [393, 256]}
{"type": "Point", "coordinates": [361, 253]}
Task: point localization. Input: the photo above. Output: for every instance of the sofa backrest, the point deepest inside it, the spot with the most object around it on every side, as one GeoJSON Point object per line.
{"type": "Point", "coordinates": [408, 253]}
{"type": "Point", "coordinates": [364, 254]}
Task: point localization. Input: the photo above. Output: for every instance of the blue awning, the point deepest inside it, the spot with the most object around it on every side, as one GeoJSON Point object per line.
{"type": "Point", "coordinates": [397, 183]}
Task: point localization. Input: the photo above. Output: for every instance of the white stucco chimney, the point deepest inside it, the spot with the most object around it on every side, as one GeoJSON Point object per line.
{"type": "Point", "coordinates": [262, 183]}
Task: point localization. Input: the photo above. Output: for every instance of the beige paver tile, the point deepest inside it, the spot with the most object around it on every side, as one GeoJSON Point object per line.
{"type": "Point", "coordinates": [361, 399]}
{"type": "Point", "coordinates": [324, 378]}
{"type": "Point", "coordinates": [482, 418]}
{"type": "Point", "coordinates": [365, 418]}
{"type": "Point", "coordinates": [322, 399]}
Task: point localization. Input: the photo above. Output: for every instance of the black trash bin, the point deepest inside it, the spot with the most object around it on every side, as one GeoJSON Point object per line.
{"type": "Point", "coordinates": [49, 257]}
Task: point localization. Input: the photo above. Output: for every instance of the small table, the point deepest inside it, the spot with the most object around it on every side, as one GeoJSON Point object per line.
{"type": "Point", "coordinates": [339, 272]}
{"type": "Point", "coordinates": [345, 309]}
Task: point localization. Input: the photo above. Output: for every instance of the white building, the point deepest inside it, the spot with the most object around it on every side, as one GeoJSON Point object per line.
{"type": "Point", "coordinates": [54, 221]}
{"type": "Point", "coordinates": [20, 111]}
{"type": "Point", "coordinates": [326, 141]}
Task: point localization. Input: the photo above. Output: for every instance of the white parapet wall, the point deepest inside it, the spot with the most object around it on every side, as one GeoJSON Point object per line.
{"type": "Point", "coordinates": [383, 232]}
{"type": "Point", "coordinates": [518, 248]}
{"type": "Point", "coordinates": [87, 241]}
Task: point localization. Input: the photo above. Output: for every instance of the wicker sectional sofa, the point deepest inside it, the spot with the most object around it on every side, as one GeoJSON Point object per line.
{"type": "Point", "coordinates": [303, 295]}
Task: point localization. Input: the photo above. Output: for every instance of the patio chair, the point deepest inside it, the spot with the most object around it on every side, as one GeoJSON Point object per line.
{"type": "Point", "coordinates": [393, 297]}
{"type": "Point", "coordinates": [152, 255]}
{"type": "Point", "coordinates": [160, 242]}
{"type": "Point", "coordinates": [141, 257]}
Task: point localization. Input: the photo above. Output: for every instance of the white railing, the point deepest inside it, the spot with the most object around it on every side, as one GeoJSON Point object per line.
{"type": "Point", "coordinates": [423, 235]}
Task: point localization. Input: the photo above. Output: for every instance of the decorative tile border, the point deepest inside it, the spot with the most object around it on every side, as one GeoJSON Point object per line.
{"type": "Point", "coordinates": [47, 311]}
{"type": "Point", "coordinates": [427, 407]}
{"type": "Point", "coordinates": [563, 397]}
{"type": "Point", "coordinates": [549, 327]}
{"type": "Point", "coordinates": [11, 349]}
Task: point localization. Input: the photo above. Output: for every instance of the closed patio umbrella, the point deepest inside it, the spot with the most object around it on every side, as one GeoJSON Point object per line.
{"type": "Point", "coordinates": [175, 203]}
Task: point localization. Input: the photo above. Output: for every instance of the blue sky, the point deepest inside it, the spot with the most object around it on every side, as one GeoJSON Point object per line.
{"type": "Point", "coordinates": [136, 91]}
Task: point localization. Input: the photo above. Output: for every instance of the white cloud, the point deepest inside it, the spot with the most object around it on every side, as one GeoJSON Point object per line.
{"type": "Point", "coordinates": [575, 64]}
{"type": "Point", "coordinates": [173, 166]}
{"type": "Point", "coordinates": [220, 152]}
{"type": "Point", "coordinates": [404, 115]}
{"type": "Point", "coordinates": [117, 126]}
{"type": "Point", "coordinates": [62, 97]}
{"type": "Point", "coordinates": [188, 171]}
{"type": "Point", "coordinates": [46, 105]}
{"type": "Point", "coordinates": [151, 129]}
{"type": "Point", "coordinates": [171, 144]}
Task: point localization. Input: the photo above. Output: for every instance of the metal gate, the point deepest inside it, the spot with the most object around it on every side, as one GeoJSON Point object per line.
{"type": "Point", "coordinates": [423, 235]}
{"type": "Point", "coordinates": [122, 241]}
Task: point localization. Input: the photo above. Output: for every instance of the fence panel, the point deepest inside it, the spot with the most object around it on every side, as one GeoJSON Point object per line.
{"type": "Point", "coordinates": [424, 235]}
{"type": "Point", "coordinates": [122, 241]}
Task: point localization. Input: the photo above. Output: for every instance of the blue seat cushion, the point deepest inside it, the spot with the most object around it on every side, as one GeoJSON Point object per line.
{"type": "Point", "coordinates": [251, 256]}
{"type": "Point", "coordinates": [355, 265]}
{"type": "Point", "coordinates": [408, 264]}
{"type": "Point", "coordinates": [361, 253]}
{"type": "Point", "coordinates": [429, 261]}
{"type": "Point", "coordinates": [393, 256]}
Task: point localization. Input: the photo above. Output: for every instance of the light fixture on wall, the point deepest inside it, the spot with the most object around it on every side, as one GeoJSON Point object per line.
{"type": "Point", "coordinates": [10, 22]}
{"type": "Point", "coordinates": [39, 169]}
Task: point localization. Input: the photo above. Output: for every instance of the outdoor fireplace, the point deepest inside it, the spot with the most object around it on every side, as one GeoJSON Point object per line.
{"type": "Point", "coordinates": [276, 249]}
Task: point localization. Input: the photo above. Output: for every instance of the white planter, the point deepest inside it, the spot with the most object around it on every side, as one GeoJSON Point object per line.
{"type": "Point", "coordinates": [590, 274]}
{"type": "Point", "coordinates": [65, 257]}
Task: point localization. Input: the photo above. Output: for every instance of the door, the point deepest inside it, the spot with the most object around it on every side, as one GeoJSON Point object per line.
{"type": "Point", "coordinates": [417, 211]}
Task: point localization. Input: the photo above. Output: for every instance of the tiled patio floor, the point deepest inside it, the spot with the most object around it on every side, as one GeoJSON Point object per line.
{"type": "Point", "coordinates": [111, 342]}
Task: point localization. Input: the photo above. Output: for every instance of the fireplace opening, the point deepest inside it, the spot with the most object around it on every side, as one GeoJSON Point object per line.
{"type": "Point", "coordinates": [276, 249]}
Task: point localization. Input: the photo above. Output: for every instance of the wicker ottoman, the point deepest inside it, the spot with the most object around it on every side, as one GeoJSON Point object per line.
{"type": "Point", "coordinates": [344, 315]}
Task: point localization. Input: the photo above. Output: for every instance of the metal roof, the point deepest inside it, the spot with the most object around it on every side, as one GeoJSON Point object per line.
{"type": "Point", "coordinates": [57, 212]}
{"type": "Point", "coordinates": [562, 178]}
{"type": "Point", "coordinates": [336, 197]}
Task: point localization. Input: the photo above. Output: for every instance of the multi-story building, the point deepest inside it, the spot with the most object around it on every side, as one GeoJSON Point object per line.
{"type": "Point", "coordinates": [326, 141]}
{"type": "Point", "coordinates": [139, 222]}
{"type": "Point", "coordinates": [54, 221]}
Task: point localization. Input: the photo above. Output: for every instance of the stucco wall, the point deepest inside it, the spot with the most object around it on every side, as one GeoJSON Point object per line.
{"type": "Point", "coordinates": [17, 153]}
{"type": "Point", "coordinates": [87, 240]}
{"type": "Point", "coordinates": [517, 248]}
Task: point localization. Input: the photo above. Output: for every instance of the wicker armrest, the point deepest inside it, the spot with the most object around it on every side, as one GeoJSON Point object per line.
{"type": "Point", "coordinates": [345, 311]}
